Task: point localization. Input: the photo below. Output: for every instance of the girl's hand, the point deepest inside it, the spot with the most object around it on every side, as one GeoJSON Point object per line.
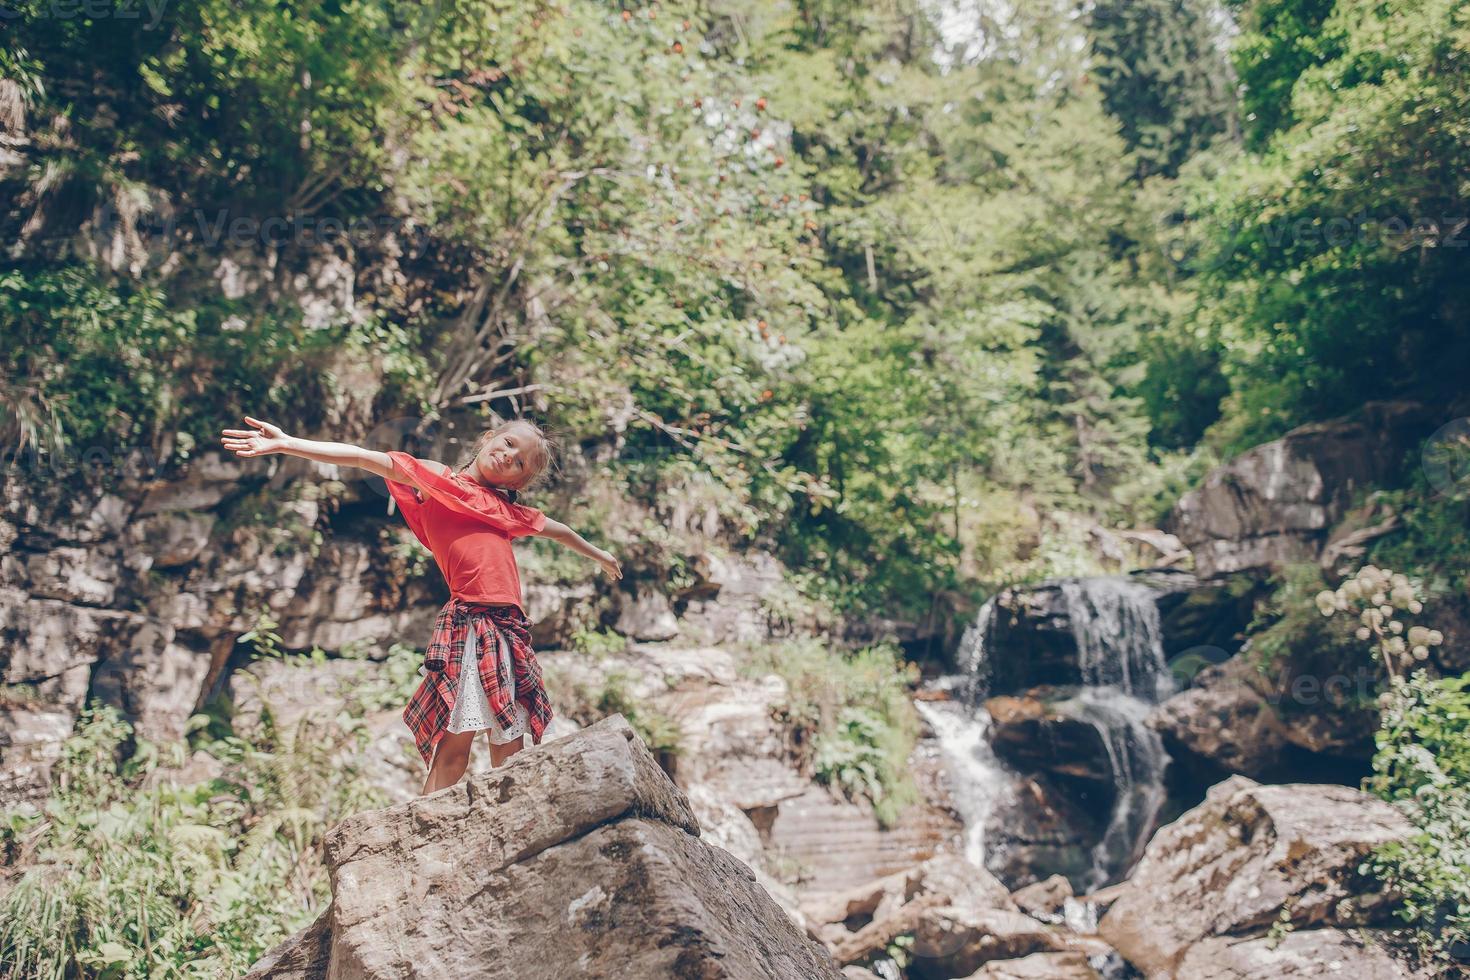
{"type": "Point", "coordinates": [268, 439]}
{"type": "Point", "coordinates": [610, 565]}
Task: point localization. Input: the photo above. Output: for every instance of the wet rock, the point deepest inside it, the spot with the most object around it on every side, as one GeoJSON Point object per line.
{"type": "Point", "coordinates": [1223, 719]}
{"type": "Point", "coordinates": [1042, 831]}
{"type": "Point", "coordinates": [586, 861]}
{"type": "Point", "coordinates": [1231, 865]}
{"type": "Point", "coordinates": [1044, 898]}
{"type": "Point", "coordinates": [1276, 503]}
{"type": "Point", "coordinates": [1038, 626]}
{"type": "Point", "coordinates": [1032, 734]}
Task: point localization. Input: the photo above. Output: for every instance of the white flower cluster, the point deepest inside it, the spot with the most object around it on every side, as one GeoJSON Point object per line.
{"type": "Point", "coordinates": [1381, 598]}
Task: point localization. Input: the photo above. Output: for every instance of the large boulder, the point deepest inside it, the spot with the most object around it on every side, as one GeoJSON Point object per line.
{"type": "Point", "coordinates": [1034, 734]}
{"type": "Point", "coordinates": [1224, 719]}
{"type": "Point", "coordinates": [1300, 954]}
{"type": "Point", "coordinates": [578, 858]}
{"type": "Point", "coordinates": [1278, 502]}
{"type": "Point", "coordinates": [1249, 858]}
{"type": "Point", "coordinates": [1301, 719]}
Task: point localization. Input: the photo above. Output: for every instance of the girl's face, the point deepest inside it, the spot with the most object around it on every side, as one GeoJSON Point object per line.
{"type": "Point", "coordinates": [505, 461]}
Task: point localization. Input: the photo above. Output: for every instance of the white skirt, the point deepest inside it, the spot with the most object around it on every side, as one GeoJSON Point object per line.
{"type": "Point", "coordinates": [471, 708]}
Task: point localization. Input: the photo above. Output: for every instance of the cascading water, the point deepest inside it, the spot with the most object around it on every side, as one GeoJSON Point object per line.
{"type": "Point", "coordinates": [1115, 625]}
{"type": "Point", "coordinates": [1120, 648]}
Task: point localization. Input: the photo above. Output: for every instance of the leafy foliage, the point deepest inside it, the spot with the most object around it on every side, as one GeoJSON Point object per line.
{"type": "Point", "coordinates": [130, 874]}
{"type": "Point", "coordinates": [1330, 263]}
{"type": "Point", "coordinates": [1423, 766]}
{"type": "Point", "coordinates": [850, 717]}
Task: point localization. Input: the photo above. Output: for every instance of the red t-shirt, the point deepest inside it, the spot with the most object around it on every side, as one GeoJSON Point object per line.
{"type": "Point", "coordinates": [468, 527]}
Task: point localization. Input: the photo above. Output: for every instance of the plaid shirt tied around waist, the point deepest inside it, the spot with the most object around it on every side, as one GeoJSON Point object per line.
{"type": "Point", "coordinates": [428, 711]}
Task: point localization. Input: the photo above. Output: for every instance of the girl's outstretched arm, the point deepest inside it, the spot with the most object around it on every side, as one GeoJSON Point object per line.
{"type": "Point", "coordinates": [557, 531]}
{"type": "Point", "coordinates": [268, 439]}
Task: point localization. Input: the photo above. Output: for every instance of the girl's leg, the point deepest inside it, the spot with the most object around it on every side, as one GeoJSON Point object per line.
{"type": "Point", "coordinates": [451, 759]}
{"type": "Point", "coordinates": [499, 753]}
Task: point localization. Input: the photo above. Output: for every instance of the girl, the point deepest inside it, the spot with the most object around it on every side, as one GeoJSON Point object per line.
{"type": "Point", "coordinates": [480, 671]}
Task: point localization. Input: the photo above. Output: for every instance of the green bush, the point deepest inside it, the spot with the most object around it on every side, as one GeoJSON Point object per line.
{"type": "Point", "coordinates": [1290, 637]}
{"type": "Point", "coordinates": [586, 704]}
{"type": "Point", "coordinates": [1423, 767]}
{"type": "Point", "coordinates": [126, 876]}
{"type": "Point", "coordinates": [850, 717]}
{"type": "Point", "coordinates": [1434, 535]}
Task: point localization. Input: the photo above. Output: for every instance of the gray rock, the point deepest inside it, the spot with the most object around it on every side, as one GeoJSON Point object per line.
{"type": "Point", "coordinates": [730, 601]}
{"type": "Point", "coordinates": [210, 478]}
{"type": "Point", "coordinates": [648, 615]}
{"type": "Point", "coordinates": [30, 744]}
{"type": "Point", "coordinates": [1039, 966]}
{"type": "Point", "coordinates": [1307, 954]}
{"type": "Point", "coordinates": [305, 955]}
{"type": "Point", "coordinates": [172, 539]}
{"type": "Point", "coordinates": [952, 942]}
{"type": "Point", "coordinates": [73, 574]}
{"type": "Point", "coordinates": [153, 681]}
{"type": "Point", "coordinates": [1044, 898]}
{"type": "Point", "coordinates": [958, 915]}
{"type": "Point", "coordinates": [577, 858]}
{"type": "Point", "coordinates": [1277, 502]}
{"type": "Point", "coordinates": [1229, 867]}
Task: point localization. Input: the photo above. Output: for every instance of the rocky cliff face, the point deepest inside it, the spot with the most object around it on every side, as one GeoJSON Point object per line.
{"type": "Point", "coordinates": [134, 589]}
{"type": "Point", "coordinates": [134, 586]}
{"type": "Point", "coordinates": [579, 858]}
{"type": "Point", "coordinates": [1278, 501]}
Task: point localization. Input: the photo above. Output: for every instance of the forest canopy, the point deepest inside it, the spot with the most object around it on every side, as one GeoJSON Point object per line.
{"type": "Point", "coordinates": [914, 299]}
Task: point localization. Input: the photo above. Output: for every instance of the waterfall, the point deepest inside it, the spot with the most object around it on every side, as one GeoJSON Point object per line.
{"type": "Point", "coordinates": [1137, 759]}
{"type": "Point", "coordinates": [980, 786]}
{"type": "Point", "coordinates": [1120, 650]}
{"type": "Point", "coordinates": [1120, 658]}
{"type": "Point", "coordinates": [1115, 623]}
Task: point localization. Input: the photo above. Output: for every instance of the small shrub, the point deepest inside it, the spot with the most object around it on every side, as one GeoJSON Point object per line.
{"type": "Point", "coordinates": [1422, 766]}
{"type": "Point", "coordinates": [850, 717]}
{"type": "Point", "coordinates": [598, 643]}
